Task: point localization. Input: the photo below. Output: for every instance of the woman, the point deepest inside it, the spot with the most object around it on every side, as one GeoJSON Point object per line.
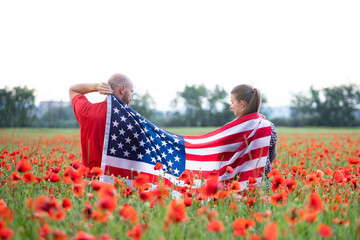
{"type": "Point", "coordinates": [246, 100]}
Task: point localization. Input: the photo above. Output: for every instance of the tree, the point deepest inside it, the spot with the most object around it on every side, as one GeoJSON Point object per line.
{"type": "Point", "coordinates": [193, 98]}
{"type": "Point", "coordinates": [17, 107]}
{"type": "Point", "coordinates": [144, 105]}
{"type": "Point", "coordinates": [203, 107]}
{"type": "Point", "coordinates": [333, 106]}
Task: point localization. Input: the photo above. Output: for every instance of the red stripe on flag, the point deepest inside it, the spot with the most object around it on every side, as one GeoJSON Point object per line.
{"type": "Point", "coordinates": [238, 121]}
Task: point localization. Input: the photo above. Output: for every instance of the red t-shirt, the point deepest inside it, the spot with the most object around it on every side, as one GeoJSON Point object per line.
{"type": "Point", "coordinates": [92, 120]}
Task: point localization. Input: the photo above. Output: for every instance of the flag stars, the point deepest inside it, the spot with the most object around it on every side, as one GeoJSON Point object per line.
{"type": "Point", "coordinates": [177, 159]}
{"type": "Point", "coordinates": [147, 151]}
{"type": "Point", "coordinates": [170, 150]}
{"type": "Point", "coordinates": [123, 119]}
{"type": "Point", "coordinates": [163, 155]}
{"type": "Point", "coordinates": [113, 137]}
{"type": "Point", "coordinates": [129, 126]}
{"type": "Point", "coordinates": [121, 132]}
{"type": "Point", "coordinates": [116, 110]}
{"type": "Point", "coordinates": [133, 148]}
{"type": "Point", "coordinates": [128, 140]}
{"type": "Point", "coordinates": [140, 156]}
{"type": "Point", "coordinates": [142, 143]}
{"type": "Point", "coordinates": [112, 150]}
{"type": "Point", "coordinates": [126, 153]}
{"type": "Point", "coordinates": [136, 135]}
{"type": "Point", "coordinates": [153, 159]}
{"type": "Point", "coordinates": [176, 171]}
{"type": "Point", "coordinates": [163, 143]}
{"type": "Point", "coordinates": [115, 123]}
{"type": "Point", "coordinates": [170, 163]}
{"type": "Point", "coordinates": [120, 145]}
{"type": "Point", "coordinates": [176, 140]}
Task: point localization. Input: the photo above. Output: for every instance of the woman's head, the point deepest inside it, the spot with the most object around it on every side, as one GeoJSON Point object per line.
{"type": "Point", "coordinates": [245, 99]}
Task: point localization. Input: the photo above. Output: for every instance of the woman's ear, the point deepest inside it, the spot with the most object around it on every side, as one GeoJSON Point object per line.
{"type": "Point", "coordinates": [242, 104]}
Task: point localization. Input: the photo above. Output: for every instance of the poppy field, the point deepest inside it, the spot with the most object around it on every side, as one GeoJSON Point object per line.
{"type": "Point", "coordinates": [311, 193]}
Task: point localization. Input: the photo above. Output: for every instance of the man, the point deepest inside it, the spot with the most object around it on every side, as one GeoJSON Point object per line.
{"type": "Point", "coordinates": [92, 117]}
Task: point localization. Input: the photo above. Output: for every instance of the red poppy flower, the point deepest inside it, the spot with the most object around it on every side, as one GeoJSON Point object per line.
{"type": "Point", "coordinates": [271, 231]}
{"type": "Point", "coordinates": [137, 231]}
{"type": "Point", "coordinates": [279, 199]}
{"type": "Point", "coordinates": [66, 203]}
{"type": "Point", "coordinates": [78, 190]}
{"type": "Point", "coordinates": [324, 230]}
{"type": "Point", "coordinates": [5, 232]}
{"type": "Point", "coordinates": [277, 183]}
{"type": "Point", "coordinates": [188, 202]}
{"type": "Point", "coordinates": [145, 196]}
{"type": "Point", "coordinates": [59, 235]}
{"type": "Point", "coordinates": [158, 166]}
{"type": "Point", "coordinates": [108, 202]}
{"type": "Point", "coordinates": [229, 169]}
{"type": "Point", "coordinates": [54, 177]}
{"type": "Point", "coordinates": [24, 166]}
{"type": "Point", "coordinates": [311, 179]}
{"type": "Point", "coordinates": [5, 212]}
{"type": "Point", "coordinates": [290, 185]}
{"type": "Point", "coordinates": [129, 213]}
{"type": "Point", "coordinates": [186, 177]}
{"type": "Point", "coordinates": [235, 187]}
{"type": "Point", "coordinates": [15, 177]}
{"type": "Point", "coordinates": [96, 185]}
{"type": "Point", "coordinates": [201, 211]}
{"type": "Point", "coordinates": [240, 225]}
{"type": "Point", "coordinates": [176, 211]}
{"type": "Point", "coordinates": [28, 177]}
{"type": "Point", "coordinates": [215, 226]}
{"type": "Point", "coordinates": [353, 160]}
{"type": "Point", "coordinates": [211, 186]}
{"type": "Point", "coordinates": [84, 236]}
{"type": "Point", "coordinates": [141, 181]}
{"type": "Point", "coordinates": [96, 172]}
{"type": "Point", "coordinates": [315, 203]}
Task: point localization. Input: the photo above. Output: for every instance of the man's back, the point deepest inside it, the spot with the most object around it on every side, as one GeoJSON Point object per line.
{"type": "Point", "coordinates": [92, 118]}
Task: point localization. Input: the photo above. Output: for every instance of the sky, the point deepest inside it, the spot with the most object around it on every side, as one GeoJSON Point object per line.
{"type": "Point", "coordinates": [279, 47]}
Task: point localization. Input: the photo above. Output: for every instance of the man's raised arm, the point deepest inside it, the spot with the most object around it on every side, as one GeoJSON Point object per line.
{"type": "Point", "coordinates": [84, 88]}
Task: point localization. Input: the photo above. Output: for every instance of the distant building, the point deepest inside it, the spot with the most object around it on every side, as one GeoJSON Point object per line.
{"type": "Point", "coordinates": [45, 106]}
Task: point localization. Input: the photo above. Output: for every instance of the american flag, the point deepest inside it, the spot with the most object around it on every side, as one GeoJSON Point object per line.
{"type": "Point", "coordinates": [132, 144]}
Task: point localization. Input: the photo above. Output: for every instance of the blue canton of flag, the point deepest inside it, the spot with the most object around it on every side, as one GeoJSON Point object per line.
{"type": "Point", "coordinates": [133, 138]}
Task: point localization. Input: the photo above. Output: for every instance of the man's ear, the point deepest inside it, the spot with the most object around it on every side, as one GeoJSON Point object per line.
{"type": "Point", "coordinates": [122, 90]}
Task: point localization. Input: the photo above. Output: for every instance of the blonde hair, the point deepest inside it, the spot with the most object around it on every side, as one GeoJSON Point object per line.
{"type": "Point", "coordinates": [250, 95]}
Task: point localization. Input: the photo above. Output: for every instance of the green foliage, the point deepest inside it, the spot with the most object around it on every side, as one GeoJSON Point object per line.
{"type": "Point", "coordinates": [203, 107]}
{"type": "Point", "coordinates": [17, 107]}
{"type": "Point", "coordinates": [144, 104]}
{"type": "Point", "coordinates": [327, 107]}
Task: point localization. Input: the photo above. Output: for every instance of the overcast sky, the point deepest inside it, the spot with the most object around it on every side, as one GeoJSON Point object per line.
{"type": "Point", "coordinates": [280, 47]}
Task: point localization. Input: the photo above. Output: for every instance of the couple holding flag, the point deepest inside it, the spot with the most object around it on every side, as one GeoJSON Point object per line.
{"type": "Point", "coordinates": [123, 143]}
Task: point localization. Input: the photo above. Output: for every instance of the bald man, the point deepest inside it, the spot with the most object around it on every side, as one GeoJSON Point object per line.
{"type": "Point", "coordinates": [92, 117]}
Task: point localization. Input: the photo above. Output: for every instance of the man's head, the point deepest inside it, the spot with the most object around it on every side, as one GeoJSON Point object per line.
{"type": "Point", "coordinates": [122, 87]}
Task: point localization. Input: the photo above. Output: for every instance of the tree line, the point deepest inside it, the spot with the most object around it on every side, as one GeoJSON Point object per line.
{"type": "Point", "coordinates": [195, 105]}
